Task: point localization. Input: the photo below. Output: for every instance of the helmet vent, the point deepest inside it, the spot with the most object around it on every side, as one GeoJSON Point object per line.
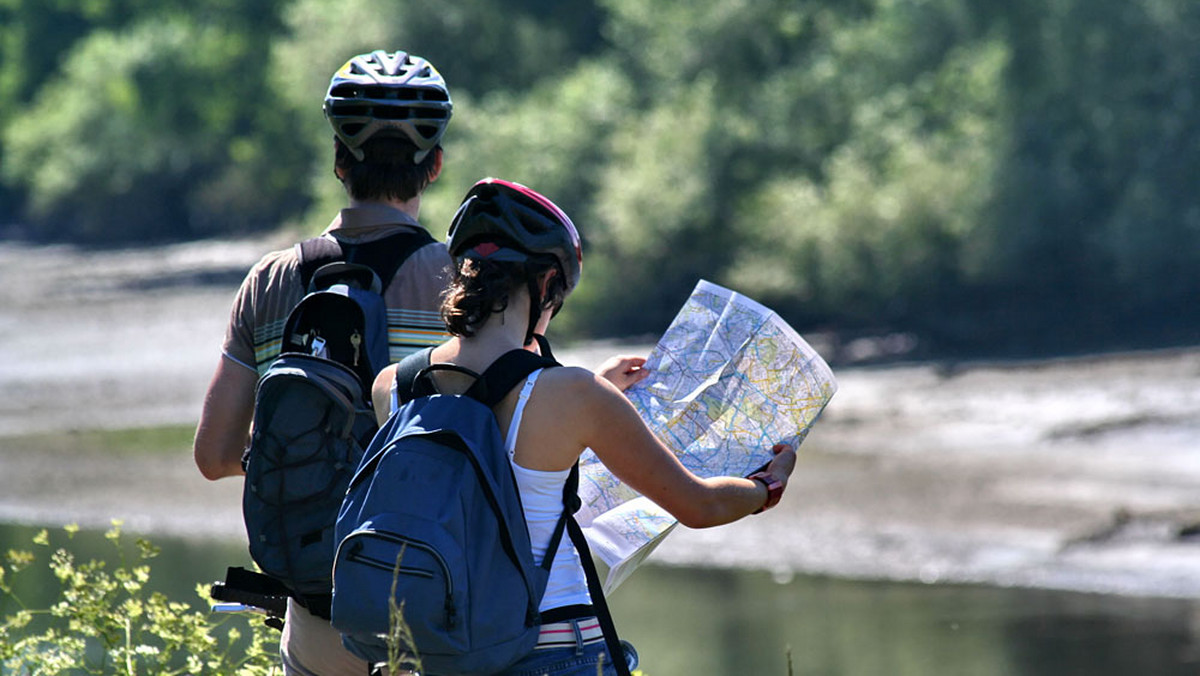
{"type": "Point", "coordinates": [384, 92]}
{"type": "Point", "coordinates": [352, 111]}
{"type": "Point", "coordinates": [404, 113]}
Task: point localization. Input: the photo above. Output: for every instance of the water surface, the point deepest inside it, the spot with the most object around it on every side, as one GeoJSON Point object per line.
{"type": "Point", "coordinates": [687, 621]}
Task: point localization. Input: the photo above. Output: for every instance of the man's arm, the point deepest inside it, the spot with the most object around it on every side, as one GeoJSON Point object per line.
{"type": "Point", "coordinates": [224, 427]}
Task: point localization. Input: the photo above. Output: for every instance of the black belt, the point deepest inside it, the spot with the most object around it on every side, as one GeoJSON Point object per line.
{"type": "Point", "coordinates": [564, 613]}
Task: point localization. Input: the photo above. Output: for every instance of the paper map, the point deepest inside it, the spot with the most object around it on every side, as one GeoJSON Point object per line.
{"type": "Point", "coordinates": [728, 380]}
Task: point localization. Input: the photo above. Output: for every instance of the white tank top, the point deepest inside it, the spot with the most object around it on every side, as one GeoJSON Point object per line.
{"type": "Point", "coordinates": [541, 496]}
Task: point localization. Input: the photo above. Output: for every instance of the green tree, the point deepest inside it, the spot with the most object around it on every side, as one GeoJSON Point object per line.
{"type": "Point", "coordinates": [1097, 224]}
{"type": "Point", "coordinates": [495, 55]}
{"type": "Point", "coordinates": [802, 153]}
{"type": "Point", "coordinates": [162, 129]}
{"type": "Point", "coordinates": [976, 172]}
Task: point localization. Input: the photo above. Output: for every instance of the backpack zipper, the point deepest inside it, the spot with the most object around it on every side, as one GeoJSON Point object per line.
{"type": "Point", "coordinates": [354, 555]}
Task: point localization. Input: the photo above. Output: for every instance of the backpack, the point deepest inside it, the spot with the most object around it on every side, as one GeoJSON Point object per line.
{"type": "Point", "coordinates": [433, 520]}
{"type": "Point", "coordinates": [312, 411]}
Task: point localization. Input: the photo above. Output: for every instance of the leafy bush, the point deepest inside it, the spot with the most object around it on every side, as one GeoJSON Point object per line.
{"type": "Point", "coordinates": [108, 622]}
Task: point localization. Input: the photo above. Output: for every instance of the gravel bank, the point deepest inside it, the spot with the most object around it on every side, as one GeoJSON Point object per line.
{"type": "Point", "coordinates": [1076, 474]}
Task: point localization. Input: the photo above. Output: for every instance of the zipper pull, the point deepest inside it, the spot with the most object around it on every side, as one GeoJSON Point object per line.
{"type": "Point", "coordinates": [318, 346]}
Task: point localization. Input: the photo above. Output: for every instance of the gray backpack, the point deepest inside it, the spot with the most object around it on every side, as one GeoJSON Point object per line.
{"type": "Point", "coordinates": [313, 415]}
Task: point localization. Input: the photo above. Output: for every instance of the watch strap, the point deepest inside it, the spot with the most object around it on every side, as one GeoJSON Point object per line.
{"type": "Point", "coordinates": [774, 489]}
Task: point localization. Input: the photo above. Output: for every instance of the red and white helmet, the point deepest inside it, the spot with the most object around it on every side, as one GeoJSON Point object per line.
{"type": "Point", "coordinates": [503, 220]}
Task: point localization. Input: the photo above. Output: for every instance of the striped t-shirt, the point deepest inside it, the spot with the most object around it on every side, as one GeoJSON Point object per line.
{"type": "Point", "coordinates": [272, 288]}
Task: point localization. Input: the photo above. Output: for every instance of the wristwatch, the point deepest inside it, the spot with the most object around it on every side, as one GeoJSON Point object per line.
{"type": "Point", "coordinates": [774, 489]}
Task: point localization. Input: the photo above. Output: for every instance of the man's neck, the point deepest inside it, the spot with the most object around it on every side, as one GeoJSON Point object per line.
{"type": "Point", "coordinates": [412, 207]}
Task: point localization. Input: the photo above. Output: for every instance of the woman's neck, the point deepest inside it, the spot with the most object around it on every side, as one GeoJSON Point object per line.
{"type": "Point", "coordinates": [500, 333]}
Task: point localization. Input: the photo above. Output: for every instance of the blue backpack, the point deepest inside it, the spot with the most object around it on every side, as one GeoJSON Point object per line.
{"type": "Point", "coordinates": [432, 524]}
{"type": "Point", "coordinates": [312, 411]}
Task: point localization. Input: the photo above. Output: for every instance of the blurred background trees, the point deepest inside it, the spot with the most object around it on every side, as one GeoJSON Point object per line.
{"type": "Point", "coordinates": [989, 177]}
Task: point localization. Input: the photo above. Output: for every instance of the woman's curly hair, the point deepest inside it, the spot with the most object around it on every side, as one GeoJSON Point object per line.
{"type": "Point", "coordinates": [480, 287]}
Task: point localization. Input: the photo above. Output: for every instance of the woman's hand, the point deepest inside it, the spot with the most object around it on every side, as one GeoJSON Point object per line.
{"type": "Point", "coordinates": [783, 464]}
{"type": "Point", "coordinates": [623, 371]}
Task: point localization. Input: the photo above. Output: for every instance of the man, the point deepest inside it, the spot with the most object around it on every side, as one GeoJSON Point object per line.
{"type": "Point", "coordinates": [388, 112]}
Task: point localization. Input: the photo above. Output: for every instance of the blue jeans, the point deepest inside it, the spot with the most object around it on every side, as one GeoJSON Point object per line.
{"type": "Point", "coordinates": [564, 662]}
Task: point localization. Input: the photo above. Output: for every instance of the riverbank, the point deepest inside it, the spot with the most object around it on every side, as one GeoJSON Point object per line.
{"type": "Point", "coordinates": [1079, 474]}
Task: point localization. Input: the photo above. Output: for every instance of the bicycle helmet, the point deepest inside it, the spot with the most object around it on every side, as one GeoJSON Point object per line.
{"type": "Point", "coordinates": [502, 220]}
{"type": "Point", "coordinates": [382, 92]}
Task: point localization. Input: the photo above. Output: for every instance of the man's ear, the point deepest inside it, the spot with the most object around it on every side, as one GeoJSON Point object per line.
{"type": "Point", "coordinates": [337, 170]}
{"type": "Point", "coordinates": [437, 164]}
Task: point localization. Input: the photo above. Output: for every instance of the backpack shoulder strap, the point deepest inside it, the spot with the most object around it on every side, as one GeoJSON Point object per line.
{"type": "Point", "coordinates": [384, 256]}
{"type": "Point", "coordinates": [407, 370]}
{"type": "Point", "coordinates": [313, 253]}
{"type": "Point", "coordinates": [511, 368]}
{"type": "Point", "coordinates": [505, 373]}
{"type": "Point", "coordinates": [595, 587]}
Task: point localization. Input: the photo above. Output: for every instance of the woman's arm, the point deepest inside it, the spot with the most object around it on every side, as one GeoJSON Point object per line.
{"type": "Point", "coordinates": [381, 393]}
{"type": "Point", "coordinates": [609, 425]}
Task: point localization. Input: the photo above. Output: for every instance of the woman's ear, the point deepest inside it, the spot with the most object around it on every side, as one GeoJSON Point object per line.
{"type": "Point", "coordinates": [544, 283]}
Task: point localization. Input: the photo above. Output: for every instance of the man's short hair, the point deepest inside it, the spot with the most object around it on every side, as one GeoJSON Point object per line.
{"type": "Point", "coordinates": [386, 171]}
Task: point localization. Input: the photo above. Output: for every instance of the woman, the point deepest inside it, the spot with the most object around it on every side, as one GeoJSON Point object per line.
{"type": "Point", "coordinates": [517, 256]}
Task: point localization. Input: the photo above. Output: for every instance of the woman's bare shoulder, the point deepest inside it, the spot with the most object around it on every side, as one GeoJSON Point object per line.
{"type": "Point", "coordinates": [570, 378]}
{"type": "Point", "coordinates": [578, 390]}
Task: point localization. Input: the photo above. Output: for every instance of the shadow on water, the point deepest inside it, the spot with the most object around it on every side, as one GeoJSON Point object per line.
{"type": "Point", "coordinates": [694, 621]}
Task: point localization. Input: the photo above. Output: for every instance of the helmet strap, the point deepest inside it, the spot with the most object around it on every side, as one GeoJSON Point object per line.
{"type": "Point", "coordinates": [535, 306]}
{"type": "Point", "coordinates": [543, 346]}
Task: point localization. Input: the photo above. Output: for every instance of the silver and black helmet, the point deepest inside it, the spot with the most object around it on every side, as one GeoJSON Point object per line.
{"type": "Point", "coordinates": [388, 92]}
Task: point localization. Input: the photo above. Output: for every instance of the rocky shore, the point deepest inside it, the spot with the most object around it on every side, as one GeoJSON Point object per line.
{"type": "Point", "coordinates": [1079, 474]}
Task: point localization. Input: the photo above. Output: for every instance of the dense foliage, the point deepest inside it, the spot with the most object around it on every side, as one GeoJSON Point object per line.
{"type": "Point", "coordinates": [105, 620]}
{"type": "Point", "coordinates": [985, 175]}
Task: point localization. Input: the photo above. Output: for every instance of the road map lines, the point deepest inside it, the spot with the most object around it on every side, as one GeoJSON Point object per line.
{"type": "Point", "coordinates": [728, 380]}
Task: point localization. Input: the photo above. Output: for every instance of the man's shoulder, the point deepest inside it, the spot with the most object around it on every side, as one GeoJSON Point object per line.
{"type": "Point", "coordinates": [275, 266]}
{"type": "Point", "coordinates": [401, 235]}
{"type": "Point", "coordinates": [433, 252]}
{"type": "Point", "coordinates": [278, 258]}
{"type": "Point", "coordinates": [418, 283]}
